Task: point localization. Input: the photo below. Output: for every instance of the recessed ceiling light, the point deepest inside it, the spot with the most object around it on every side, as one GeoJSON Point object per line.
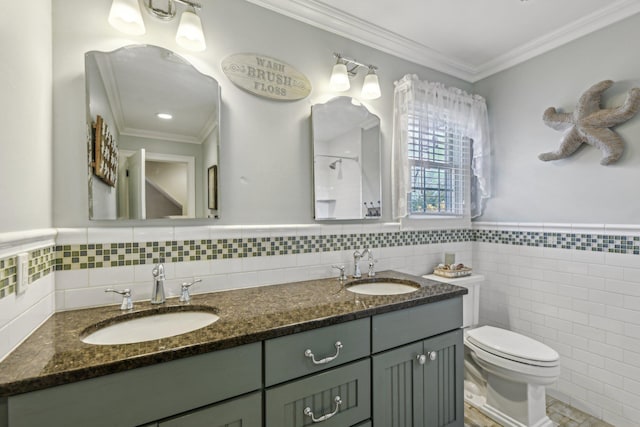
{"type": "Point", "coordinates": [164, 116]}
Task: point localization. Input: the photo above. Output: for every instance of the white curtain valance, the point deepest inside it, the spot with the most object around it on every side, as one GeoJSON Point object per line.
{"type": "Point", "coordinates": [466, 110]}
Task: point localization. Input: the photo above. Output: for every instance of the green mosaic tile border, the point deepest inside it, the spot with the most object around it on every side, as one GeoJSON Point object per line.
{"type": "Point", "coordinates": [576, 241]}
{"type": "Point", "coordinates": [75, 257]}
{"type": "Point", "coordinates": [41, 263]}
{"type": "Point", "coordinates": [7, 276]}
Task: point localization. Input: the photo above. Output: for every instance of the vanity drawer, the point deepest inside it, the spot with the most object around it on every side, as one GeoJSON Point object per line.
{"type": "Point", "coordinates": [285, 357]}
{"type": "Point", "coordinates": [286, 405]}
{"type": "Point", "coordinates": [400, 327]}
{"type": "Point", "coordinates": [244, 411]}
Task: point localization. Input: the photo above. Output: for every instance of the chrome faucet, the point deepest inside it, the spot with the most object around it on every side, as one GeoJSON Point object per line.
{"type": "Point", "coordinates": [185, 296]}
{"type": "Point", "coordinates": [356, 263]}
{"type": "Point", "coordinates": [157, 291]}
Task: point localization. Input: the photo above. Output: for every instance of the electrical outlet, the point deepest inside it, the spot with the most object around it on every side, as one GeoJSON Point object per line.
{"type": "Point", "coordinates": [22, 273]}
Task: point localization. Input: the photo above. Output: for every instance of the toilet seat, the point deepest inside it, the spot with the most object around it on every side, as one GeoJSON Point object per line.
{"type": "Point", "coordinates": [512, 346]}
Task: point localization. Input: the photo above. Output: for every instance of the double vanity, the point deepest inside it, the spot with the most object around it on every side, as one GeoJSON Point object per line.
{"type": "Point", "coordinates": [323, 352]}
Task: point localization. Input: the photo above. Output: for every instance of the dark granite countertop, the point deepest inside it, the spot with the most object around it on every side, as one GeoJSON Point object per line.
{"type": "Point", "coordinates": [54, 354]}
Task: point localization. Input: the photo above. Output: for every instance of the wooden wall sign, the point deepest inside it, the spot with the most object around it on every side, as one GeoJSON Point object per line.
{"type": "Point", "coordinates": [105, 151]}
{"type": "Point", "coordinates": [265, 76]}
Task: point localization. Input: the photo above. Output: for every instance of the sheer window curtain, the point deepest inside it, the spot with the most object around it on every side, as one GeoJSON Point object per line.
{"type": "Point", "coordinates": [412, 95]}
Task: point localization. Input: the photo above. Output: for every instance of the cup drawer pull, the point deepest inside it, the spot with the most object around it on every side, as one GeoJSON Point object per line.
{"type": "Point", "coordinates": [309, 413]}
{"type": "Point", "coordinates": [308, 353]}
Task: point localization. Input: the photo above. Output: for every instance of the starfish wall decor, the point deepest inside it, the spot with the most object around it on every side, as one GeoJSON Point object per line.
{"type": "Point", "coordinates": [590, 124]}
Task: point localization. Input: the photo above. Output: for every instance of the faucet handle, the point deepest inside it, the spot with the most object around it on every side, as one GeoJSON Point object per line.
{"type": "Point", "coordinates": [342, 276]}
{"type": "Point", "coordinates": [127, 304]}
{"type": "Point", "coordinates": [184, 294]}
{"type": "Point", "coordinates": [372, 263]}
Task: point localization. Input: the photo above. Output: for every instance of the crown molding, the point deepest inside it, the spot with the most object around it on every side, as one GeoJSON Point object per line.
{"type": "Point", "coordinates": [327, 18]}
{"type": "Point", "coordinates": [318, 14]}
{"type": "Point", "coordinates": [161, 135]}
{"type": "Point", "coordinates": [617, 11]}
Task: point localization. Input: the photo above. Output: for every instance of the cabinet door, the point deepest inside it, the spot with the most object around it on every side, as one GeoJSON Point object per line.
{"type": "Point", "coordinates": [397, 388]}
{"type": "Point", "coordinates": [413, 392]}
{"type": "Point", "coordinates": [298, 403]}
{"type": "Point", "coordinates": [444, 380]}
{"type": "Point", "coordinates": [241, 412]}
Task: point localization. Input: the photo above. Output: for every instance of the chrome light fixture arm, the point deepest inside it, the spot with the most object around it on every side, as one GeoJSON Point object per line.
{"type": "Point", "coordinates": [347, 68]}
{"type": "Point", "coordinates": [171, 10]}
{"type": "Point", "coordinates": [352, 64]}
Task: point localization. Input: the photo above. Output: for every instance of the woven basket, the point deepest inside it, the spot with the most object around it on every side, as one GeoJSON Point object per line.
{"type": "Point", "coordinates": [462, 272]}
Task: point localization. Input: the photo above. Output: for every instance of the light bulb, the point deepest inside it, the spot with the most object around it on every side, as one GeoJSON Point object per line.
{"type": "Point", "coordinates": [371, 87]}
{"type": "Point", "coordinates": [339, 81]}
{"type": "Point", "coordinates": [125, 16]}
{"type": "Point", "coordinates": [190, 35]}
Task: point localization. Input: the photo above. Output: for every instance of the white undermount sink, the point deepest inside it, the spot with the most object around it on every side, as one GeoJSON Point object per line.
{"type": "Point", "coordinates": [382, 287]}
{"type": "Point", "coordinates": [151, 327]}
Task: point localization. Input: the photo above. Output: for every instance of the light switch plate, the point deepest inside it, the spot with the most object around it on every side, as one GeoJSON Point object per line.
{"type": "Point", "coordinates": [22, 273]}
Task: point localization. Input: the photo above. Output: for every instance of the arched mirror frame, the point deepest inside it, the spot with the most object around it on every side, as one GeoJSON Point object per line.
{"type": "Point", "coordinates": [346, 161]}
{"type": "Point", "coordinates": [126, 89]}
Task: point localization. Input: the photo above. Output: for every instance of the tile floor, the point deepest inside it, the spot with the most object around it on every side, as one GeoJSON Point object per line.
{"type": "Point", "coordinates": [559, 412]}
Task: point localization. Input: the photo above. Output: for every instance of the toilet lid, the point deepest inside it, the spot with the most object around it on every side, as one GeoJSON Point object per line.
{"type": "Point", "coordinates": [512, 345]}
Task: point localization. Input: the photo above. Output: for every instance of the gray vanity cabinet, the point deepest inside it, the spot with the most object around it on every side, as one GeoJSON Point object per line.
{"type": "Point", "coordinates": [407, 363]}
{"type": "Point", "coordinates": [420, 384]}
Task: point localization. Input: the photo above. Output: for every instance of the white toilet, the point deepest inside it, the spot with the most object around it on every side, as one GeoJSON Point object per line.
{"type": "Point", "coordinates": [505, 372]}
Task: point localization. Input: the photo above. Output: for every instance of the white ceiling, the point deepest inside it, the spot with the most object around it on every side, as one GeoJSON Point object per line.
{"type": "Point", "coordinates": [469, 39]}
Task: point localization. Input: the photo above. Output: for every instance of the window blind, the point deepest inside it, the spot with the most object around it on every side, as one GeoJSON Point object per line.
{"type": "Point", "coordinates": [439, 161]}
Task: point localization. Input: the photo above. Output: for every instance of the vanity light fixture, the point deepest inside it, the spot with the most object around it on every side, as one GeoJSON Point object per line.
{"type": "Point", "coordinates": [125, 16]}
{"type": "Point", "coordinates": [347, 68]}
{"type": "Point", "coordinates": [190, 35]}
{"type": "Point", "coordinates": [339, 81]}
{"type": "Point", "coordinates": [371, 86]}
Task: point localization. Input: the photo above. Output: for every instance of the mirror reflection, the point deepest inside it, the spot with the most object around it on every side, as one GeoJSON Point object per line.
{"type": "Point", "coordinates": [346, 160]}
{"type": "Point", "coordinates": [154, 140]}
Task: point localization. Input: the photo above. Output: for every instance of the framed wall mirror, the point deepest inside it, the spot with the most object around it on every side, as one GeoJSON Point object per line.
{"type": "Point", "coordinates": [346, 161]}
{"type": "Point", "coordinates": [153, 137]}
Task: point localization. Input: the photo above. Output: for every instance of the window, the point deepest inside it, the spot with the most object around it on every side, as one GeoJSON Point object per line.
{"type": "Point", "coordinates": [439, 165]}
{"type": "Point", "coordinates": [434, 131]}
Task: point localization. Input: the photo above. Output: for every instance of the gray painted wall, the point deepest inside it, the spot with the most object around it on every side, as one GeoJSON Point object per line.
{"type": "Point", "coordinates": [265, 171]}
{"type": "Point", "coordinates": [266, 144]}
{"type": "Point", "coordinates": [25, 116]}
{"type": "Point", "coordinates": [577, 189]}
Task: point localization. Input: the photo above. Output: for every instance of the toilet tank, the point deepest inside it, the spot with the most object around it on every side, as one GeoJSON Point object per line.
{"type": "Point", "coordinates": [471, 301]}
